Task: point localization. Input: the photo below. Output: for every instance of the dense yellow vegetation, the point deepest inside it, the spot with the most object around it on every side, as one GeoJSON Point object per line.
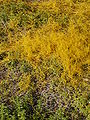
{"type": "Point", "coordinates": [47, 30]}
{"type": "Point", "coordinates": [66, 37]}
